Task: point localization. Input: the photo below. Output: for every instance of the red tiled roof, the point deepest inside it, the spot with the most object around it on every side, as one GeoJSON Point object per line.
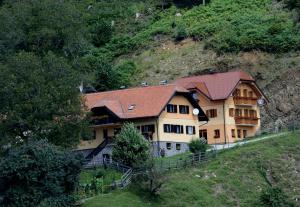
{"type": "Point", "coordinates": [147, 101]}
{"type": "Point", "coordinates": [217, 86]}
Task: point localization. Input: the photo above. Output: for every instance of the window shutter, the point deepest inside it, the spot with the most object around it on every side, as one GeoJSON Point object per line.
{"type": "Point", "coordinates": [194, 130]}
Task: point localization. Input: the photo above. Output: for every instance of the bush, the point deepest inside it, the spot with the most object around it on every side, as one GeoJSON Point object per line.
{"type": "Point", "coordinates": [275, 197]}
{"type": "Point", "coordinates": [101, 33]}
{"type": "Point", "coordinates": [131, 148]}
{"type": "Point", "coordinates": [39, 174]}
{"type": "Point", "coordinates": [180, 33]}
{"type": "Point", "coordinates": [197, 145]}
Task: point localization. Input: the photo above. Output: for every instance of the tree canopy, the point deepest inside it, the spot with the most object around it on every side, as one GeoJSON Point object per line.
{"type": "Point", "coordinates": [131, 148]}
{"type": "Point", "coordinates": [38, 174]}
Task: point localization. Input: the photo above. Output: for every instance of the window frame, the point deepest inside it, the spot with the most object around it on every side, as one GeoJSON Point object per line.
{"type": "Point", "coordinates": [233, 133]}
{"type": "Point", "coordinates": [231, 112]}
{"type": "Point", "coordinates": [193, 130]}
{"type": "Point", "coordinates": [178, 146]}
{"type": "Point", "coordinates": [217, 133]}
{"type": "Point", "coordinates": [172, 108]}
{"type": "Point", "coordinates": [168, 145]}
{"type": "Point", "coordinates": [184, 109]}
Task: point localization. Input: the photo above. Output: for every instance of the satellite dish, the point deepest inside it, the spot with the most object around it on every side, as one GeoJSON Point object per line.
{"type": "Point", "coordinates": [195, 112]}
{"type": "Point", "coordinates": [261, 102]}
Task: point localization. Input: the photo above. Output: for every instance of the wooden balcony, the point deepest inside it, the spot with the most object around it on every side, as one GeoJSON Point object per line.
{"type": "Point", "coordinates": [246, 121]}
{"type": "Point", "coordinates": [245, 101]}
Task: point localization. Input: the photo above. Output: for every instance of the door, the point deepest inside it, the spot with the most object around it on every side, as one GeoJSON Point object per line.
{"type": "Point", "coordinates": [105, 134]}
{"type": "Point", "coordinates": [244, 133]}
{"type": "Point", "coordinates": [203, 133]}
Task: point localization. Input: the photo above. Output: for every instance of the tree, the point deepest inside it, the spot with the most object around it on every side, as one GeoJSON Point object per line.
{"type": "Point", "coordinates": [131, 148]}
{"type": "Point", "coordinates": [42, 26]}
{"type": "Point", "coordinates": [197, 146]}
{"type": "Point", "coordinates": [39, 98]}
{"type": "Point", "coordinates": [38, 174]}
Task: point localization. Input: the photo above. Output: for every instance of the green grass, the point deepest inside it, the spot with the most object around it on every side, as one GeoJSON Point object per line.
{"type": "Point", "coordinates": [237, 177]}
{"type": "Point", "coordinates": [109, 175]}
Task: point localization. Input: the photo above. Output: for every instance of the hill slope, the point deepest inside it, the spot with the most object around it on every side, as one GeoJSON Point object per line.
{"type": "Point", "coordinates": [237, 177]}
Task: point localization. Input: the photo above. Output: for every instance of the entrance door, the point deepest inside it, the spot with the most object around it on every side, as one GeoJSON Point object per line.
{"type": "Point", "coordinates": [105, 134]}
{"type": "Point", "coordinates": [244, 133]}
{"type": "Point", "coordinates": [203, 133]}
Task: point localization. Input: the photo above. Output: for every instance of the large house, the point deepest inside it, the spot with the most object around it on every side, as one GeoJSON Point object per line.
{"type": "Point", "coordinates": [231, 101]}
{"type": "Point", "coordinates": [167, 116]}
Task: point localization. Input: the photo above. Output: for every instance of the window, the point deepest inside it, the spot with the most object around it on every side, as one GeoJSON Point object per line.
{"type": "Point", "coordinates": [94, 134]}
{"type": "Point", "coordinates": [171, 108]}
{"type": "Point", "coordinates": [233, 133]}
{"type": "Point", "coordinates": [246, 114]}
{"type": "Point", "coordinates": [245, 92]}
{"type": "Point", "coordinates": [237, 93]}
{"type": "Point", "coordinates": [178, 146]}
{"type": "Point", "coordinates": [178, 129]}
{"type": "Point", "coordinates": [231, 112]}
{"type": "Point", "coordinates": [211, 113]}
{"type": "Point", "coordinates": [148, 128]}
{"type": "Point", "coordinates": [183, 109]}
{"type": "Point", "coordinates": [217, 133]}
{"type": "Point", "coordinates": [244, 133]}
{"type": "Point", "coordinates": [238, 112]}
{"type": "Point", "coordinates": [253, 113]}
{"type": "Point", "coordinates": [169, 128]}
{"type": "Point", "coordinates": [250, 94]}
{"type": "Point", "coordinates": [190, 130]}
{"type": "Point", "coordinates": [203, 133]}
{"type": "Point", "coordinates": [239, 133]}
{"type": "Point", "coordinates": [169, 145]}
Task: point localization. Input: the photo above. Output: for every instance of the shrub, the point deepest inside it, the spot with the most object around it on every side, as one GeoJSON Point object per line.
{"type": "Point", "coordinates": [101, 33]}
{"type": "Point", "coordinates": [275, 197]}
{"type": "Point", "coordinates": [131, 148]}
{"type": "Point", "coordinates": [39, 174]}
{"type": "Point", "coordinates": [197, 145]}
{"type": "Point", "coordinates": [180, 33]}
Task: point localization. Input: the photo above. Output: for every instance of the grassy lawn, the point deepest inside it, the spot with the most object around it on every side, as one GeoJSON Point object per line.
{"type": "Point", "coordinates": [108, 175]}
{"type": "Point", "coordinates": [234, 178]}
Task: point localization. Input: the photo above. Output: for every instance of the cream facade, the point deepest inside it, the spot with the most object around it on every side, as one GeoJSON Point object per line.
{"type": "Point", "coordinates": [232, 119]}
{"type": "Point", "coordinates": [170, 131]}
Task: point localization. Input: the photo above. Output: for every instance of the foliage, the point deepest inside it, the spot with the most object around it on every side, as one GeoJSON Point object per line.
{"type": "Point", "coordinates": [150, 182]}
{"type": "Point", "coordinates": [131, 148]}
{"type": "Point", "coordinates": [39, 99]}
{"type": "Point", "coordinates": [274, 197]}
{"type": "Point", "coordinates": [180, 33]}
{"type": "Point", "coordinates": [39, 174]}
{"type": "Point", "coordinates": [101, 33]}
{"type": "Point", "coordinates": [95, 181]}
{"type": "Point", "coordinates": [42, 26]}
{"type": "Point", "coordinates": [197, 145]}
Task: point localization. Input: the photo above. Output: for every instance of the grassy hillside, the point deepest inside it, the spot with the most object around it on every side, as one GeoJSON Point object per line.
{"type": "Point", "coordinates": [237, 177]}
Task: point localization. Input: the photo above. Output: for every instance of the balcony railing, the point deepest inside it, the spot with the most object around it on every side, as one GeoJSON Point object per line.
{"type": "Point", "coordinates": [245, 101]}
{"type": "Point", "coordinates": [246, 121]}
{"type": "Point", "coordinates": [102, 121]}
